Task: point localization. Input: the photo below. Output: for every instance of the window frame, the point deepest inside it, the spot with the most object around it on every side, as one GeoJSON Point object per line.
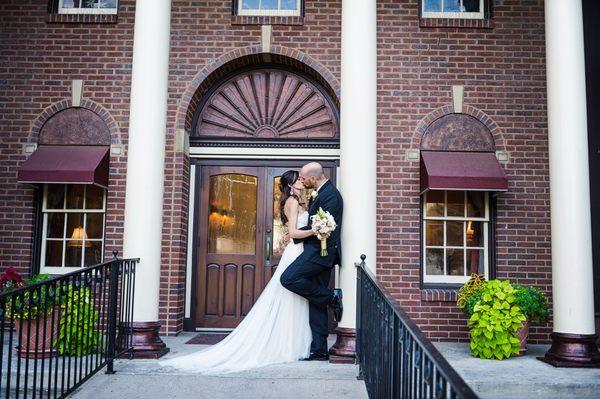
{"type": "Point", "coordinates": [447, 281]}
{"type": "Point", "coordinates": [85, 11]}
{"type": "Point", "coordinates": [482, 14]}
{"type": "Point", "coordinates": [239, 11]}
{"type": "Point", "coordinates": [44, 212]}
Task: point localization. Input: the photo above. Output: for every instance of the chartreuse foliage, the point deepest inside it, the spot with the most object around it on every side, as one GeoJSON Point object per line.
{"type": "Point", "coordinates": [78, 332]}
{"type": "Point", "coordinates": [495, 320]}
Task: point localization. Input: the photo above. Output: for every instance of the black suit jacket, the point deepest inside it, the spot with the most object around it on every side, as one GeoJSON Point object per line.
{"type": "Point", "coordinates": [330, 199]}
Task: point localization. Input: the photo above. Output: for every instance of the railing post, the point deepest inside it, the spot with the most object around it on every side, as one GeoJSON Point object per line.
{"type": "Point", "coordinates": [112, 312]}
{"type": "Point", "coordinates": [359, 314]}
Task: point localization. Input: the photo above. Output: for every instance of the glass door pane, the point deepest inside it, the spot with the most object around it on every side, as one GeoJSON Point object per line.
{"type": "Point", "coordinates": [232, 215]}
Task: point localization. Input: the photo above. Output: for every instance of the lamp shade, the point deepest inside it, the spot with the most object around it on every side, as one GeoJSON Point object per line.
{"type": "Point", "coordinates": [78, 238]}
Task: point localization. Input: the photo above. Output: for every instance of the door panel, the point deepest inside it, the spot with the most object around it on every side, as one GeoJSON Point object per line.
{"type": "Point", "coordinates": [228, 254]}
{"type": "Point", "coordinates": [238, 241]}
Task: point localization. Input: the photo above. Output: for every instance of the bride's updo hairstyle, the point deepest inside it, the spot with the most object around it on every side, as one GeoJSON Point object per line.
{"type": "Point", "coordinates": [286, 181]}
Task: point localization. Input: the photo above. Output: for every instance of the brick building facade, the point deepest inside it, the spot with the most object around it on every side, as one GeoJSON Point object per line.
{"type": "Point", "coordinates": [500, 62]}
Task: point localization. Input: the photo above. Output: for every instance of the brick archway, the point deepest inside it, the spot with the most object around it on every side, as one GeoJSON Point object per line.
{"type": "Point", "coordinates": [250, 56]}
{"type": "Point", "coordinates": [480, 117]}
{"type": "Point", "coordinates": [52, 110]}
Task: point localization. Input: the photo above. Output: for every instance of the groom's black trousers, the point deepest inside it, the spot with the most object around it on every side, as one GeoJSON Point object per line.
{"type": "Point", "coordinates": [311, 280]}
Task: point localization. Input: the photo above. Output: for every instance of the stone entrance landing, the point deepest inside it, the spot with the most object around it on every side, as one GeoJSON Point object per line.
{"type": "Point", "coordinates": [520, 377]}
{"type": "Point", "coordinates": [298, 380]}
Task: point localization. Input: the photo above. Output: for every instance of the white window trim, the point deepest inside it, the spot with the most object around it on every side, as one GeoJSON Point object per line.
{"type": "Point", "coordinates": [446, 279]}
{"type": "Point", "coordinates": [454, 15]}
{"type": "Point", "coordinates": [45, 211]}
{"type": "Point", "coordinates": [269, 12]}
{"type": "Point", "coordinates": [81, 10]}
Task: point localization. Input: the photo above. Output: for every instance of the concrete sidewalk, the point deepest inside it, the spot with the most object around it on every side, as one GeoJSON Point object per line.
{"type": "Point", "coordinates": [146, 379]}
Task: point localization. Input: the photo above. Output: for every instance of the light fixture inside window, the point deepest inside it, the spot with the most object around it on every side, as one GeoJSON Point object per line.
{"type": "Point", "coordinates": [78, 238]}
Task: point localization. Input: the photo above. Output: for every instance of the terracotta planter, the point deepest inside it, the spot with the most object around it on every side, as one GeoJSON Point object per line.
{"type": "Point", "coordinates": [522, 335]}
{"type": "Point", "coordinates": [32, 336]}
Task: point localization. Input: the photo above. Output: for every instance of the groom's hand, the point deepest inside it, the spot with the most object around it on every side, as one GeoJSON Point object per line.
{"type": "Point", "coordinates": [286, 238]}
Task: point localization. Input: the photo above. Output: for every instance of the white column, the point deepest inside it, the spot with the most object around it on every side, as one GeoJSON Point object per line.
{"type": "Point", "coordinates": [572, 280]}
{"type": "Point", "coordinates": [146, 151]}
{"type": "Point", "coordinates": [358, 145]}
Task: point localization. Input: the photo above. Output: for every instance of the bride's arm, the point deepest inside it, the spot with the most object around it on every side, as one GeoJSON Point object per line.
{"type": "Point", "coordinates": [291, 212]}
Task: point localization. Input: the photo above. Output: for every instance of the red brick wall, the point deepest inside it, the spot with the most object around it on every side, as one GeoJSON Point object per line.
{"type": "Point", "coordinates": [38, 61]}
{"type": "Point", "coordinates": [200, 35]}
{"type": "Point", "coordinates": [502, 70]}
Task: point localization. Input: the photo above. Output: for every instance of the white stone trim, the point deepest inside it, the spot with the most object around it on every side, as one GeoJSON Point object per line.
{"type": "Point", "coordinates": [457, 98]}
{"type": "Point", "coordinates": [190, 242]}
{"type": "Point", "coordinates": [76, 92]}
{"type": "Point", "coordinates": [266, 153]}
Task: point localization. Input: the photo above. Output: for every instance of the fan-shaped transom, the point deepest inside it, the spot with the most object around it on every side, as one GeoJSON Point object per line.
{"type": "Point", "coordinates": [267, 103]}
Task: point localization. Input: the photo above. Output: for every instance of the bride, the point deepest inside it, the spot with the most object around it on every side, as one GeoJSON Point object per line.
{"type": "Point", "coordinates": [276, 329]}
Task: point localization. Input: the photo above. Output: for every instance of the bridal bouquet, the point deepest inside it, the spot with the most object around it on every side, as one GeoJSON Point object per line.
{"type": "Point", "coordinates": [322, 225]}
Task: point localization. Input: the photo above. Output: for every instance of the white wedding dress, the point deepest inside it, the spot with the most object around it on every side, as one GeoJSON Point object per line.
{"type": "Point", "coordinates": [276, 329]}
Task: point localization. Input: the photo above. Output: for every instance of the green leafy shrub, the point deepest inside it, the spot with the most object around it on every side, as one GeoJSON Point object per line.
{"type": "Point", "coordinates": [78, 332]}
{"type": "Point", "coordinates": [532, 302]}
{"type": "Point", "coordinates": [470, 293]}
{"type": "Point", "coordinates": [495, 320]}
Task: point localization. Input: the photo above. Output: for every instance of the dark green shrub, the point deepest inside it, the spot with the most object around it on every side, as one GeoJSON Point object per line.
{"type": "Point", "coordinates": [532, 302]}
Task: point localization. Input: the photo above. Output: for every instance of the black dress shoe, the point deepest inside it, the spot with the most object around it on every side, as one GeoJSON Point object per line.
{"type": "Point", "coordinates": [317, 357]}
{"type": "Point", "coordinates": [336, 304]}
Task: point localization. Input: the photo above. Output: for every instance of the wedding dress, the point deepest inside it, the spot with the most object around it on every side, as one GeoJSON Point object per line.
{"type": "Point", "coordinates": [276, 329]}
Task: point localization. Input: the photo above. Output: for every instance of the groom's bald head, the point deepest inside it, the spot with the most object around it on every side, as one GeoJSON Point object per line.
{"type": "Point", "coordinates": [312, 175]}
{"type": "Point", "coordinates": [313, 169]}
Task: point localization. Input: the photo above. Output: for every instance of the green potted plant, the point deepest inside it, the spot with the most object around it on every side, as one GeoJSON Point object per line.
{"type": "Point", "coordinates": [79, 323]}
{"type": "Point", "coordinates": [495, 320]}
{"type": "Point", "coordinates": [534, 306]}
{"type": "Point", "coordinates": [33, 312]}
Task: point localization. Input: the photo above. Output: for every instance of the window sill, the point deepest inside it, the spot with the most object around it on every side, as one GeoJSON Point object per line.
{"type": "Point", "coordinates": [456, 23]}
{"type": "Point", "coordinates": [439, 294]}
{"type": "Point", "coordinates": [82, 18]}
{"type": "Point", "coordinates": [266, 20]}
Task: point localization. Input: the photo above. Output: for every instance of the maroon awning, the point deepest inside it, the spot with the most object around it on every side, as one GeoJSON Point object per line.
{"type": "Point", "coordinates": [66, 164]}
{"type": "Point", "coordinates": [475, 171]}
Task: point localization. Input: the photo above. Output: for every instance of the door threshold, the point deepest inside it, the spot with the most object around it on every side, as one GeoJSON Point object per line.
{"type": "Point", "coordinates": [213, 330]}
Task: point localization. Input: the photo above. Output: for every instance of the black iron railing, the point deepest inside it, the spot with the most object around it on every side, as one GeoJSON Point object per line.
{"type": "Point", "coordinates": [57, 333]}
{"type": "Point", "coordinates": [396, 359]}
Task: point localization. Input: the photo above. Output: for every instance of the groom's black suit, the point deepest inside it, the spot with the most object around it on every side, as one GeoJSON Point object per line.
{"type": "Point", "coordinates": [308, 275]}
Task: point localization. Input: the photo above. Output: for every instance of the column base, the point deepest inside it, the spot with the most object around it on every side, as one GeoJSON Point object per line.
{"type": "Point", "coordinates": [344, 349]}
{"type": "Point", "coordinates": [146, 341]}
{"type": "Point", "coordinates": [573, 350]}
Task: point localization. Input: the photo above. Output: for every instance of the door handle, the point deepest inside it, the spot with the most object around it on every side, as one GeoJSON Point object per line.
{"type": "Point", "coordinates": [268, 251]}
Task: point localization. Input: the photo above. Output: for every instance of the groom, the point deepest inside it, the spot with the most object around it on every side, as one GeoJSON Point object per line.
{"type": "Point", "coordinates": [308, 275]}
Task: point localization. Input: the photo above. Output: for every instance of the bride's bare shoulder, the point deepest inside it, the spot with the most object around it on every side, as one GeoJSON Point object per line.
{"type": "Point", "coordinates": [292, 203]}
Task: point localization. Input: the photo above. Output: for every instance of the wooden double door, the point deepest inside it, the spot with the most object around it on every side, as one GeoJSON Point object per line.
{"type": "Point", "coordinates": [238, 238]}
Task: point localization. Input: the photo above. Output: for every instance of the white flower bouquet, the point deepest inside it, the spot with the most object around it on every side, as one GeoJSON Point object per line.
{"type": "Point", "coordinates": [322, 225]}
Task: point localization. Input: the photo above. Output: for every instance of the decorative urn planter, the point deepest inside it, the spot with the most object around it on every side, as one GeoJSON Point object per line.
{"type": "Point", "coordinates": [522, 334]}
{"type": "Point", "coordinates": [36, 336]}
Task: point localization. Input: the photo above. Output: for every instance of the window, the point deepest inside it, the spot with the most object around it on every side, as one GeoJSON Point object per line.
{"type": "Point", "coordinates": [87, 6]}
{"type": "Point", "coordinates": [464, 9]}
{"type": "Point", "coordinates": [73, 227]}
{"type": "Point", "coordinates": [455, 235]}
{"type": "Point", "coordinates": [283, 8]}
